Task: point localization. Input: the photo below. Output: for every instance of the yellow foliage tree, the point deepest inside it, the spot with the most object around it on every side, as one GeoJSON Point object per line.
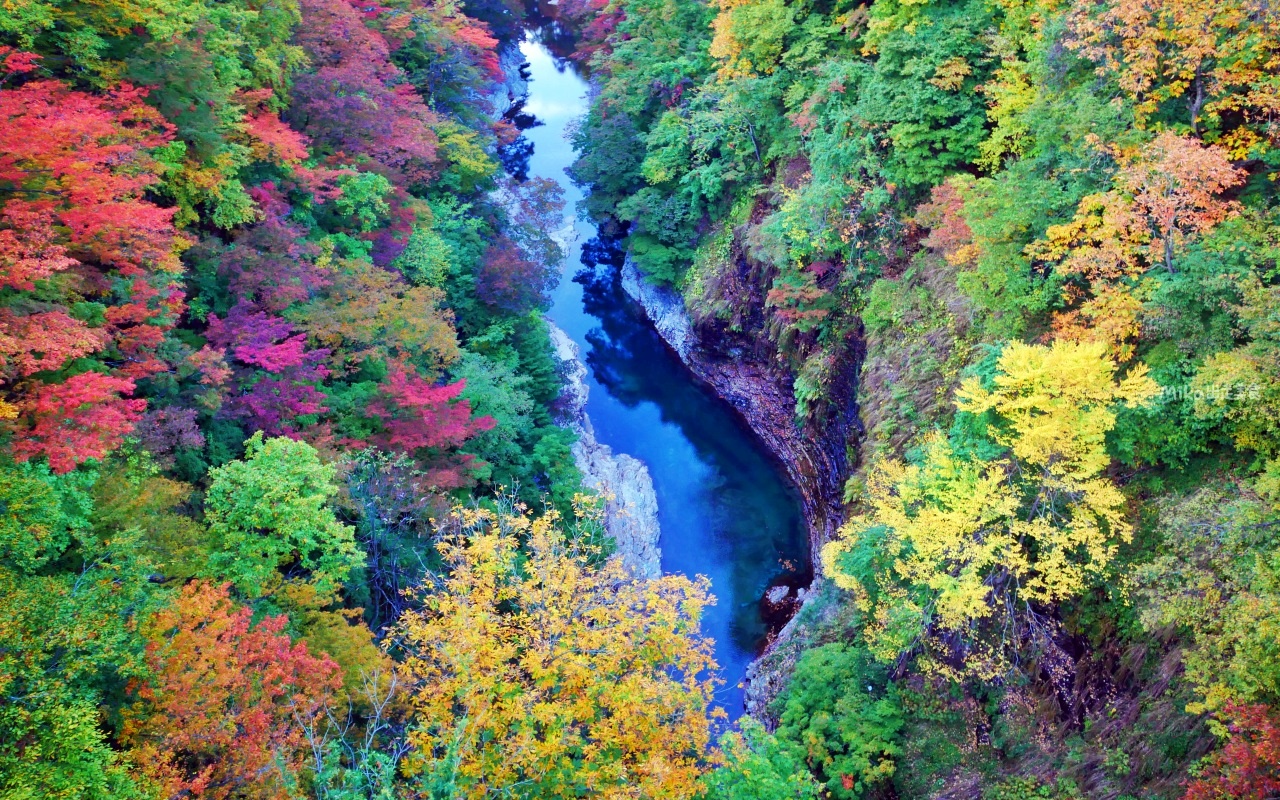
{"type": "Point", "coordinates": [970, 538]}
{"type": "Point", "coordinates": [536, 674]}
{"type": "Point", "coordinates": [749, 36]}
{"type": "Point", "coordinates": [1057, 404]}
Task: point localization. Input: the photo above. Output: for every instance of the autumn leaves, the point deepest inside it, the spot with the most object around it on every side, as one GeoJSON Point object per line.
{"type": "Point", "coordinates": [987, 528]}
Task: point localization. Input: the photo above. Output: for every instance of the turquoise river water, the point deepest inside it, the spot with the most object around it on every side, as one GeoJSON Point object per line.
{"type": "Point", "coordinates": [725, 509]}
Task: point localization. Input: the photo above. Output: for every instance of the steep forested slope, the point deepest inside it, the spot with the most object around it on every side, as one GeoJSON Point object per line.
{"type": "Point", "coordinates": [285, 511]}
{"type": "Point", "coordinates": [1041, 238]}
{"type": "Point", "coordinates": [270, 309]}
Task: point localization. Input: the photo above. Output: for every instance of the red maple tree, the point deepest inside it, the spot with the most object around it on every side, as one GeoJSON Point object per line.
{"type": "Point", "coordinates": [429, 422]}
{"type": "Point", "coordinates": [86, 416]}
{"type": "Point", "coordinates": [76, 226]}
{"type": "Point", "coordinates": [1248, 766]}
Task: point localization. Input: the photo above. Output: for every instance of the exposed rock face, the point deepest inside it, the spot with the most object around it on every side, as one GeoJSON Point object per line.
{"type": "Point", "coordinates": [739, 363]}
{"type": "Point", "coordinates": [740, 369]}
{"type": "Point", "coordinates": [769, 674]}
{"type": "Point", "coordinates": [631, 506]}
{"type": "Point", "coordinates": [663, 307]}
{"type": "Point", "coordinates": [512, 90]}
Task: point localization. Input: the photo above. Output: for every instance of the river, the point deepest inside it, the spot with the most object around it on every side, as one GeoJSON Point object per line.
{"type": "Point", "coordinates": [725, 509]}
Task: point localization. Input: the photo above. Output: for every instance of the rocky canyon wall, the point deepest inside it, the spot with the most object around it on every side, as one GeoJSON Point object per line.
{"type": "Point", "coordinates": [740, 366]}
{"type": "Point", "coordinates": [740, 369]}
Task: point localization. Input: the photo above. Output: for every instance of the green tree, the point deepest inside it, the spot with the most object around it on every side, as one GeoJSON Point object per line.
{"type": "Point", "coordinates": [68, 607]}
{"type": "Point", "coordinates": [269, 514]}
{"type": "Point", "coordinates": [1216, 579]}
{"type": "Point", "coordinates": [43, 512]}
{"type": "Point", "coordinates": [842, 716]}
{"type": "Point", "coordinates": [755, 765]}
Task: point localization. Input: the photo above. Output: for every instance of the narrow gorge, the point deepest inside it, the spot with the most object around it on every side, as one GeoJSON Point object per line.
{"type": "Point", "coordinates": [659, 429]}
{"type": "Point", "coordinates": [662, 399]}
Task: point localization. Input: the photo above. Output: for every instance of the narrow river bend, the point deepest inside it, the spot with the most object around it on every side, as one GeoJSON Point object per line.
{"type": "Point", "coordinates": [724, 507]}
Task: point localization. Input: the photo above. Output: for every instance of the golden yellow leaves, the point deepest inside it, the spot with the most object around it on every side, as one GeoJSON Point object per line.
{"type": "Point", "coordinates": [946, 516]}
{"type": "Point", "coordinates": [532, 667]}
{"type": "Point", "coordinates": [749, 36]}
{"type": "Point", "coordinates": [950, 74]}
{"type": "Point", "coordinates": [724, 43]}
{"type": "Point", "coordinates": [1057, 403]}
{"type": "Point", "coordinates": [981, 536]}
{"type": "Point", "coordinates": [1055, 406]}
{"type": "Point", "coordinates": [1010, 92]}
{"type": "Point", "coordinates": [1214, 56]}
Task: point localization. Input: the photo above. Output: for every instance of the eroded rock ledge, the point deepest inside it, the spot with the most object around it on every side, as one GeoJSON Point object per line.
{"type": "Point", "coordinates": [740, 371]}
{"type": "Point", "coordinates": [739, 367]}
{"type": "Point", "coordinates": [631, 506]}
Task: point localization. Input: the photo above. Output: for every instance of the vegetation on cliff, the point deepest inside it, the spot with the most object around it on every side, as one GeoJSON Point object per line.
{"type": "Point", "coordinates": [286, 513]}
{"type": "Point", "coordinates": [1043, 235]}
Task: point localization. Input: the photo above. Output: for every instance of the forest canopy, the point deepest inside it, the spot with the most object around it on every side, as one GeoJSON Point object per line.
{"type": "Point", "coordinates": [288, 507]}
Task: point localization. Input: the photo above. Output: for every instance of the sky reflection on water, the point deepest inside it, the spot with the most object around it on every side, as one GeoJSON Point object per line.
{"type": "Point", "coordinates": [726, 512]}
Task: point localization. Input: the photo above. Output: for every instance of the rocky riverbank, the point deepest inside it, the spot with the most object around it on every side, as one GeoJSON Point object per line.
{"type": "Point", "coordinates": [631, 506]}
{"type": "Point", "coordinates": [741, 372]}
{"type": "Point", "coordinates": [740, 369]}
{"type": "Point", "coordinates": [512, 90]}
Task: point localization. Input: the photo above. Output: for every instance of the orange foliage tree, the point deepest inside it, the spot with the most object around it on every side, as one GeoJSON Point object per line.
{"type": "Point", "coordinates": [1218, 57]}
{"type": "Point", "coordinates": [1169, 191]}
{"type": "Point", "coordinates": [226, 709]}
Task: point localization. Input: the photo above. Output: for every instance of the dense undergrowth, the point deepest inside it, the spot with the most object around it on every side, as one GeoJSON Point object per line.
{"type": "Point", "coordinates": [1051, 225]}
{"type": "Point", "coordinates": [286, 513]}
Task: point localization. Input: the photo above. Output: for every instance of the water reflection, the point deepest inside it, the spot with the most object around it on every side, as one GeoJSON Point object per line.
{"type": "Point", "coordinates": [724, 508]}
{"type": "Point", "coordinates": [514, 157]}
